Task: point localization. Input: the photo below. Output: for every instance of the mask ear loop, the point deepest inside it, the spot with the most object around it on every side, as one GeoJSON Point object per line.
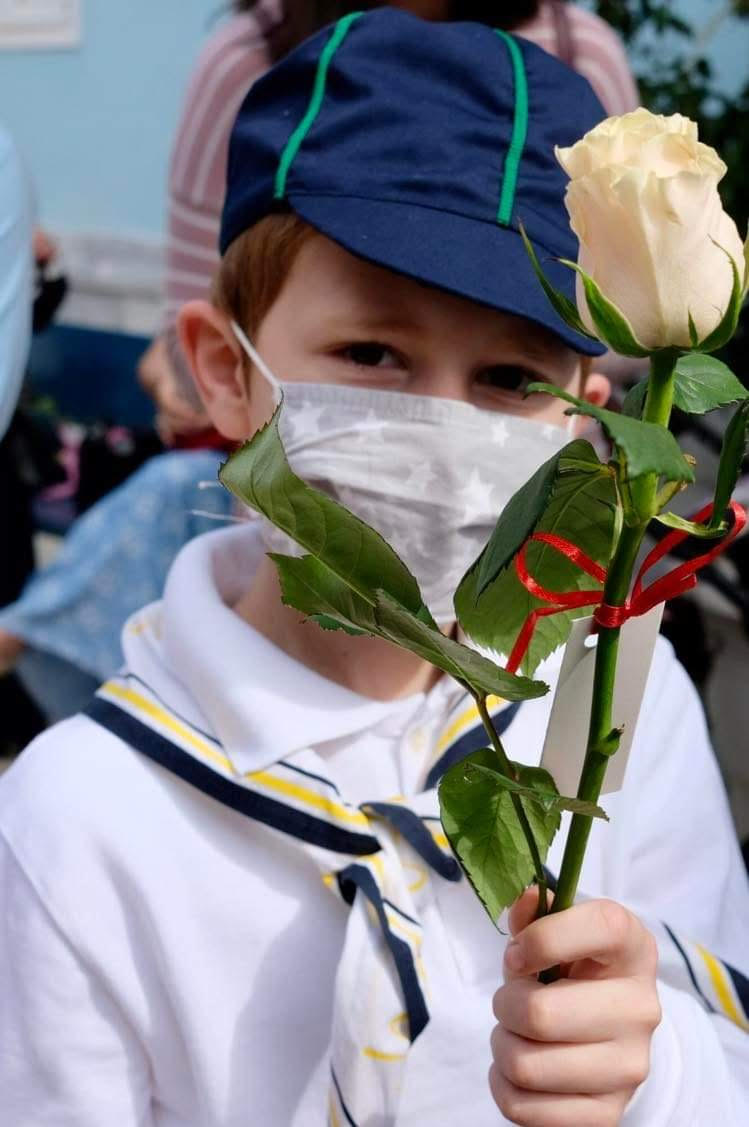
{"type": "Point", "coordinates": [258, 361]}
{"type": "Point", "coordinates": [208, 514]}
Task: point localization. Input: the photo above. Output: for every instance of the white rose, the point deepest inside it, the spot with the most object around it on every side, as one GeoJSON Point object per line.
{"type": "Point", "coordinates": [643, 201]}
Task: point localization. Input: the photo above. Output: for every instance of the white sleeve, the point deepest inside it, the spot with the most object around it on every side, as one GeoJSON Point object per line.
{"type": "Point", "coordinates": [67, 1055]}
{"type": "Point", "coordinates": [699, 1070]}
{"type": "Point", "coordinates": [683, 866]}
{"type": "Point", "coordinates": [16, 294]}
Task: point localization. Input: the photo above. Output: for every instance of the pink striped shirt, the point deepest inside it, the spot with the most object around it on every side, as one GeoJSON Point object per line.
{"type": "Point", "coordinates": [597, 53]}
{"type": "Point", "coordinates": [231, 61]}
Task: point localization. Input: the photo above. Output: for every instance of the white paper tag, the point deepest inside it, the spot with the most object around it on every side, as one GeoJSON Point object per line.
{"type": "Point", "coordinates": [567, 733]}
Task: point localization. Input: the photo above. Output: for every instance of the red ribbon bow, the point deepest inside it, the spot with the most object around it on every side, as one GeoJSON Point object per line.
{"type": "Point", "coordinates": [674, 583]}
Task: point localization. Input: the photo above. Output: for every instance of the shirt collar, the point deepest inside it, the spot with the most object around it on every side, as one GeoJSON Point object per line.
{"type": "Point", "coordinates": [260, 703]}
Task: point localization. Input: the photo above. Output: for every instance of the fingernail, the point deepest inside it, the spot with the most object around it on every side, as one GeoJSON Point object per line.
{"type": "Point", "coordinates": [514, 959]}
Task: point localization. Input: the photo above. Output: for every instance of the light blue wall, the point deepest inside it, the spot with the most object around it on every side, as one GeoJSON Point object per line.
{"type": "Point", "coordinates": [95, 123]}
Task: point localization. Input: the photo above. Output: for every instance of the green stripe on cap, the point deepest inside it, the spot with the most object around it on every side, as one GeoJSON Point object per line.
{"type": "Point", "coordinates": [519, 131]}
{"type": "Point", "coordinates": [294, 143]}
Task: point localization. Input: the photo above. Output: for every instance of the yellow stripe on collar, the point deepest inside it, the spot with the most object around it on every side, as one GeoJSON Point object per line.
{"type": "Point", "coordinates": [468, 717]}
{"type": "Point", "coordinates": [721, 986]}
{"type": "Point", "coordinates": [145, 706]}
{"type": "Point", "coordinates": [308, 797]}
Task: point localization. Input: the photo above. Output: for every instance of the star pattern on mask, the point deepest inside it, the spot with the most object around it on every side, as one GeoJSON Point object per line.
{"type": "Point", "coordinates": [422, 477]}
{"type": "Point", "coordinates": [472, 498]}
{"type": "Point", "coordinates": [301, 423]}
{"type": "Point", "coordinates": [431, 485]}
{"type": "Point", "coordinates": [369, 430]}
{"type": "Point", "coordinates": [500, 431]}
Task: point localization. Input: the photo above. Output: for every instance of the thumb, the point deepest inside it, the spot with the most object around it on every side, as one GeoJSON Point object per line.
{"type": "Point", "coordinates": [525, 909]}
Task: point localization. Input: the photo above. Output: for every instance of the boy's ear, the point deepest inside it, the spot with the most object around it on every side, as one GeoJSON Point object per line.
{"type": "Point", "coordinates": [215, 359]}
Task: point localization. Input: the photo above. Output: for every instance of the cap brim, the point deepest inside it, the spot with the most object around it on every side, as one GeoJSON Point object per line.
{"type": "Point", "coordinates": [477, 260]}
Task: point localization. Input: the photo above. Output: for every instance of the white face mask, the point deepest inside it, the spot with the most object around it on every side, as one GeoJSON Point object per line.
{"type": "Point", "coordinates": [431, 475]}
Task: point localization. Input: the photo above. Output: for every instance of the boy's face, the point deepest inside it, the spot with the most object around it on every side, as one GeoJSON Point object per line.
{"type": "Point", "coordinates": [339, 319]}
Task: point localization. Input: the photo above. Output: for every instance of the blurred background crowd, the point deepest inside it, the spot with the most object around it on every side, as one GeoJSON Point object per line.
{"type": "Point", "coordinates": [114, 123]}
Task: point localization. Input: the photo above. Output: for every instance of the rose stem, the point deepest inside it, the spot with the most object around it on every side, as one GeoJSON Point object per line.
{"type": "Point", "coordinates": [657, 410]}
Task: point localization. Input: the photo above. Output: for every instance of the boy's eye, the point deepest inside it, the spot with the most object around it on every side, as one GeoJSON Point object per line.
{"type": "Point", "coordinates": [370, 354]}
{"type": "Point", "coordinates": [508, 377]}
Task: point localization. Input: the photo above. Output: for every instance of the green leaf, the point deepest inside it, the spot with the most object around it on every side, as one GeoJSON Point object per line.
{"type": "Point", "coordinates": [732, 454]}
{"type": "Point", "coordinates": [646, 447]}
{"type": "Point", "coordinates": [701, 384]}
{"type": "Point", "coordinates": [327, 623]}
{"type": "Point", "coordinates": [613, 327]}
{"type": "Point", "coordinates": [312, 588]}
{"type": "Point", "coordinates": [730, 319]}
{"type": "Point", "coordinates": [522, 512]}
{"type": "Point", "coordinates": [546, 795]}
{"type": "Point", "coordinates": [482, 827]}
{"type": "Point", "coordinates": [464, 664]}
{"type": "Point", "coordinates": [582, 507]}
{"type": "Point", "coordinates": [702, 531]}
{"type": "Point", "coordinates": [566, 309]}
{"type": "Point", "coordinates": [634, 401]}
{"type": "Point", "coordinates": [260, 476]}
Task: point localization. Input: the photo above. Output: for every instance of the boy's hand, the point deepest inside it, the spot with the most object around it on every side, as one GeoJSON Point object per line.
{"type": "Point", "coordinates": [571, 1054]}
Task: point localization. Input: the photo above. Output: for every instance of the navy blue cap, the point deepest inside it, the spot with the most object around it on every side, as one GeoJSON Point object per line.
{"type": "Point", "coordinates": [420, 147]}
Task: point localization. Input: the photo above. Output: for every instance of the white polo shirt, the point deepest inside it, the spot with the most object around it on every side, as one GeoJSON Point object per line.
{"type": "Point", "coordinates": [166, 962]}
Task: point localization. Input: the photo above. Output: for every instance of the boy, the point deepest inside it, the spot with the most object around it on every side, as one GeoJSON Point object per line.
{"type": "Point", "coordinates": [172, 954]}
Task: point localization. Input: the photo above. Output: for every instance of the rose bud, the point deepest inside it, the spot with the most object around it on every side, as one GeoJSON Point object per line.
{"type": "Point", "coordinates": [643, 200]}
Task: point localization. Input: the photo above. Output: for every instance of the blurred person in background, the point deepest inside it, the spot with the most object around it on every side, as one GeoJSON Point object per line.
{"type": "Point", "coordinates": [70, 615]}
{"type": "Point", "coordinates": [16, 302]}
{"type": "Point", "coordinates": [576, 36]}
{"type": "Point", "coordinates": [63, 632]}
{"type": "Point", "coordinates": [16, 269]}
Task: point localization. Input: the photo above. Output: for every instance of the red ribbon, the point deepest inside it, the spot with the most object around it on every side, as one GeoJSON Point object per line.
{"type": "Point", "coordinates": [682, 578]}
